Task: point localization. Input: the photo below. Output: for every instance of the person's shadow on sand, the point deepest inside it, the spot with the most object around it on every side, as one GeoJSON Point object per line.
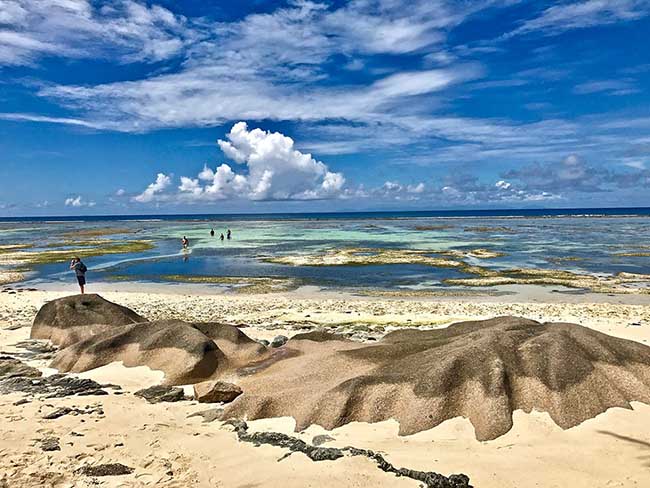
{"type": "Point", "coordinates": [644, 445]}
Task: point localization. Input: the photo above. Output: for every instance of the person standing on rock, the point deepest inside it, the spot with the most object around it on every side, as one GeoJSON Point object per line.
{"type": "Point", "coordinates": [79, 269]}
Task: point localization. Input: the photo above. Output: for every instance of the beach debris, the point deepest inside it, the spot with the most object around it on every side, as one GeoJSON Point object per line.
{"type": "Point", "coordinates": [279, 341]}
{"type": "Point", "coordinates": [49, 444]}
{"type": "Point", "coordinates": [317, 454]}
{"type": "Point", "coordinates": [161, 393]}
{"type": "Point", "coordinates": [108, 469]}
{"type": "Point", "coordinates": [216, 392]}
{"type": "Point", "coordinates": [480, 370]}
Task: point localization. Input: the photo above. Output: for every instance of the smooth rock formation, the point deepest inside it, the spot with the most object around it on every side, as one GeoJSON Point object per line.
{"type": "Point", "coordinates": [67, 320]}
{"type": "Point", "coordinates": [181, 351]}
{"type": "Point", "coordinates": [481, 370]}
{"type": "Point", "coordinates": [216, 391]}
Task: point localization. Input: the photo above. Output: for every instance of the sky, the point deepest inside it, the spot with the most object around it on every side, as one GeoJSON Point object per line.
{"type": "Point", "coordinates": [159, 107]}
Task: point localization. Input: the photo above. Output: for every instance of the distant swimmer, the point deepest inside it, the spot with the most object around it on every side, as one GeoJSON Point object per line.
{"type": "Point", "coordinates": [228, 234]}
{"type": "Point", "coordinates": [221, 237]}
{"type": "Point", "coordinates": [185, 242]}
{"type": "Point", "coordinates": [212, 233]}
{"type": "Point", "coordinates": [79, 269]}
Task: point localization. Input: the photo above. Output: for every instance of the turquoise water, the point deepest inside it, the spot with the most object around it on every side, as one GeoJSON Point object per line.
{"type": "Point", "coordinates": [578, 244]}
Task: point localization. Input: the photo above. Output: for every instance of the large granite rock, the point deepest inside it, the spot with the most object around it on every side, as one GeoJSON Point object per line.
{"type": "Point", "coordinates": [68, 320]}
{"type": "Point", "coordinates": [178, 349]}
{"type": "Point", "coordinates": [480, 370]}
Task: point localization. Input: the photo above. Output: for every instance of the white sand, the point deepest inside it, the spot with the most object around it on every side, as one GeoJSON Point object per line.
{"type": "Point", "coordinates": [168, 449]}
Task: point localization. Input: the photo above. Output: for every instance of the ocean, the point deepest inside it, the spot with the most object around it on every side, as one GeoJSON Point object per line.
{"type": "Point", "coordinates": [386, 251]}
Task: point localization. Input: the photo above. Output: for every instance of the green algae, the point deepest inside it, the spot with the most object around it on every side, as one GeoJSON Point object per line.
{"type": "Point", "coordinates": [502, 230]}
{"type": "Point", "coordinates": [60, 256]}
{"type": "Point", "coordinates": [564, 259]}
{"type": "Point", "coordinates": [7, 248]}
{"type": "Point", "coordinates": [433, 227]}
{"type": "Point", "coordinates": [106, 231]}
{"type": "Point", "coordinates": [80, 243]}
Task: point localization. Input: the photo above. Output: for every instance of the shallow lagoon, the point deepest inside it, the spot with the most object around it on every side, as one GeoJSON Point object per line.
{"type": "Point", "coordinates": [595, 245]}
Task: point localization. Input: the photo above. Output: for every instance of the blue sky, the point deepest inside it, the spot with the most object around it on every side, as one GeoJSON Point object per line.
{"type": "Point", "coordinates": [134, 107]}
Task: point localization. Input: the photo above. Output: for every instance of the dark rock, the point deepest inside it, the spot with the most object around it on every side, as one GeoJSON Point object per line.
{"type": "Point", "coordinates": [58, 319]}
{"type": "Point", "coordinates": [55, 386]}
{"type": "Point", "coordinates": [216, 391]}
{"type": "Point", "coordinates": [34, 349]}
{"type": "Point", "coordinates": [50, 444]}
{"type": "Point", "coordinates": [110, 469]}
{"type": "Point", "coordinates": [22, 401]}
{"type": "Point", "coordinates": [321, 439]}
{"type": "Point", "coordinates": [264, 342]}
{"type": "Point", "coordinates": [318, 336]}
{"type": "Point", "coordinates": [11, 368]}
{"type": "Point", "coordinates": [430, 479]}
{"type": "Point", "coordinates": [279, 341]}
{"type": "Point", "coordinates": [60, 412]}
{"type": "Point", "coordinates": [161, 393]}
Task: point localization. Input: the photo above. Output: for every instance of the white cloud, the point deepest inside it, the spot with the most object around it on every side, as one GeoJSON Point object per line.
{"type": "Point", "coordinates": [78, 201]}
{"type": "Point", "coordinates": [45, 119]}
{"type": "Point", "coordinates": [126, 29]}
{"type": "Point", "coordinates": [275, 170]}
{"type": "Point", "coordinates": [589, 13]}
{"type": "Point", "coordinates": [162, 182]}
{"type": "Point", "coordinates": [121, 192]}
{"type": "Point", "coordinates": [613, 87]}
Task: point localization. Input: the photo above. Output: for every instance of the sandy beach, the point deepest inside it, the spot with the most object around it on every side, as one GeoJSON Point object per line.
{"type": "Point", "coordinates": [167, 446]}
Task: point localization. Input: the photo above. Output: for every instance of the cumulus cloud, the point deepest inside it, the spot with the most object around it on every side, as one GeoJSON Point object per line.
{"type": "Point", "coordinates": [273, 169]}
{"type": "Point", "coordinates": [160, 185]}
{"type": "Point", "coordinates": [78, 201]}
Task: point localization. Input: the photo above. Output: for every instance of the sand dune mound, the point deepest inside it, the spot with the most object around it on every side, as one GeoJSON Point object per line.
{"type": "Point", "coordinates": [480, 370]}
{"type": "Point", "coordinates": [66, 320]}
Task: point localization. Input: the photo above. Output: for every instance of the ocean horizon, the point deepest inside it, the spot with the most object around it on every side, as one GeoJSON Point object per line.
{"type": "Point", "coordinates": [374, 214]}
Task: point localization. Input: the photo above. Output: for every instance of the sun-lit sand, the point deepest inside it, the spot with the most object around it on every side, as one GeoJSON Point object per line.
{"type": "Point", "coordinates": [168, 447]}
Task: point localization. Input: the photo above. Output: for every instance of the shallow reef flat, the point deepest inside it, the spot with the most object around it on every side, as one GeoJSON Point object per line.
{"type": "Point", "coordinates": [370, 256]}
{"type": "Point", "coordinates": [624, 283]}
